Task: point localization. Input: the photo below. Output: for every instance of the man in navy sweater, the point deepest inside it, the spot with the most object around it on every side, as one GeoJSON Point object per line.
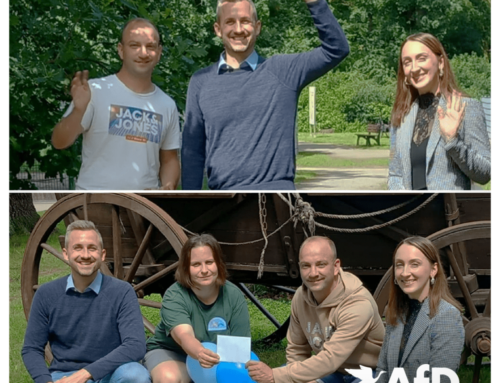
{"type": "Point", "coordinates": [92, 321]}
{"type": "Point", "coordinates": [240, 113]}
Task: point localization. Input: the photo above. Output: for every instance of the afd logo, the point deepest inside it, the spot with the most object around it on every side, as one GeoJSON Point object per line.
{"type": "Point", "coordinates": [365, 374]}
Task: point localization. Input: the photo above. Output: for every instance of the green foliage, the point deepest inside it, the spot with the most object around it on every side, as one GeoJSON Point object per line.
{"type": "Point", "coordinates": [473, 74]}
{"type": "Point", "coordinates": [347, 101]}
{"type": "Point", "coordinates": [52, 39]}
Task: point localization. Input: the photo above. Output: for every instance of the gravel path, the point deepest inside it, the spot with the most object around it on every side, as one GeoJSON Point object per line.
{"type": "Point", "coordinates": [372, 178]}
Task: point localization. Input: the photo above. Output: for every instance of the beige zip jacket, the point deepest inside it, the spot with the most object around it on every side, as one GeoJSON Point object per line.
{"type": "Point", "coordinates": [344, 331]}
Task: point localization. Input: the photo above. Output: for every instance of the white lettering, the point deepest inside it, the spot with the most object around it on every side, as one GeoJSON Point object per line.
{"type": "Point", "coordinates": [138, 126]}
{"type": "Point", "coordinates": [137, 114]}
{"type": "Point", "coordinates": [437, 372]}
{"type": "Point", "coordinates": [420, 378]}
{"type": "Point", "coordinates": [316, 329]}
{"type": "Point", "coordinates": [154, 130]}
{"type": "Point", "coordinates": [120, 114]}
{"type": "Point", "coordinates": [146, 127]}
{"type": "Point", "coordinates": [398, 375]}
{"type": "Point", "coordinates": [127, 114]}
{"type": "Point", "coordinates": [119, 125]}
{"type": "Point", "coordinates": [127, 124]}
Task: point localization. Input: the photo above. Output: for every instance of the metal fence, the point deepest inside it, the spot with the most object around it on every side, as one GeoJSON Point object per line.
{"type": "Point", "coordinates": [50, 183]}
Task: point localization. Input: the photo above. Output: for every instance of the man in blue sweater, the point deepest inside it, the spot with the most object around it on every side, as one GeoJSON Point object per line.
{"type": "Point", "coordinates": [240, 113]}
{"type": "Point", "coordinates": [92, 321]}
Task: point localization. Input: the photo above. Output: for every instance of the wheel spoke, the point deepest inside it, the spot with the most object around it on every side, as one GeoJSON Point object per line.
{"type": "Point", "coordinates": [461, 283]}
{"type": "Point", "coordinates": [149, 326]}
{"type": "Point", "coordinates": [117, 243]}
{"type": "Point", "coordinates": [137, 224]}
{"type": "Point", "coordinates": [85, 210]}
{"type": "Point", "coordinates": [139, 255]}
{"type": "Point", "coordinates": [148, 303]}
{"type": "Point", "coordinates": [73, 217]}
{"type": "Point", "coordinates": [487, 308]}
{"type": "Point", "coordinates": [53, 251]}
{"type": "Point", "coordinates": [156, 277]}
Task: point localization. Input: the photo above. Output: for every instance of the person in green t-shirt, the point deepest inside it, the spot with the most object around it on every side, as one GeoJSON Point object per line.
{"type": "Point", "coordinates": [195, 309]}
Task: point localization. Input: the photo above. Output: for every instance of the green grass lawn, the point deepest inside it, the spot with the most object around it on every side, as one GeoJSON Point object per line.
{"type": "Point", "coordinates": [51, 268]}
{"type": "Point", "coordinates": [344, 139]}
{"type": "Point", "coordinates": [303, 175]}
{"type": "Point", "coordinates": [309, 159]}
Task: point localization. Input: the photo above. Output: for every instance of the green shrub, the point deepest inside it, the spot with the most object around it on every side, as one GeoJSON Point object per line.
{"type": "Point", "coordinates": [473, 74]}
{"type": "Point", "coordinates": [347, 101]}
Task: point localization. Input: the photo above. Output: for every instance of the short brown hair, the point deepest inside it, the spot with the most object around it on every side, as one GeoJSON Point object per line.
{"type": "Point", "coordinates": [182, 274]}
{"type": "Point", "coordinates": [399, 302]}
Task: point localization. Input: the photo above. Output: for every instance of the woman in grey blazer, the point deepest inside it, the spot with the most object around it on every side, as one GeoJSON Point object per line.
{"type": "Point", "coordinates": [424, 322]}
{"type": "Point", "coordinates": [439, 139]}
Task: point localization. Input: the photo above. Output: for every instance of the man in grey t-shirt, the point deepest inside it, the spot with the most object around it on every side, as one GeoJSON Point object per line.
{"type": "Point", "coordinates": [130, 127]}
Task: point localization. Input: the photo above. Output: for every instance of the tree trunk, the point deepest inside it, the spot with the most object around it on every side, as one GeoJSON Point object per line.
{"type": "Point", "coordinates": [22, 213]}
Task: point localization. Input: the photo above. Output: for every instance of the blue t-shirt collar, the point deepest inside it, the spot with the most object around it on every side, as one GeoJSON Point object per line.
{"type": "Point", "coordinates": [95, 285]}
{"type": "Point", "coordinates": [251, 60]}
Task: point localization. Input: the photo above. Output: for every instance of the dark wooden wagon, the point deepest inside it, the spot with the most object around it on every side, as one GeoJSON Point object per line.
{"type": "Point", "coordinates": [261, 234]}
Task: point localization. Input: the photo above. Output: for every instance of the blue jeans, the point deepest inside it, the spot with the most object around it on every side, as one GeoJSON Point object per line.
{"type": "Point", "coordinates": [132, 372]}
{"type": "Point", "coordinates": [337, 377]}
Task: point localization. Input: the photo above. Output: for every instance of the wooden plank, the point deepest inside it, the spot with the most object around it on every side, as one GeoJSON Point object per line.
{"type": "Point", "coordinates": [186, 195]}
{"type": "Point", "coordinates": [255, 267]}
{"type": "Point", "coordinates": [140, 253]}
{"type": "Point", "coordinates": [138, 228]}
{"type": "Point", "coordinates": [117, 242]}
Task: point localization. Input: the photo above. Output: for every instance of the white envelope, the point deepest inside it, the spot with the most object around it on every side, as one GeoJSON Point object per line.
{"type": "Point", "coordinates": [234, 349]}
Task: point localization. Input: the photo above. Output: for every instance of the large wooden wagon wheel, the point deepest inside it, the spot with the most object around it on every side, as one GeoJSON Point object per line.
{"type": "Point", "coordinates": [146, 219]}
{"type": "Point", "coordinates": [477, 325]}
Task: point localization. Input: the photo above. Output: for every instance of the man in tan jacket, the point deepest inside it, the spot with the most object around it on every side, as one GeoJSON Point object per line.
{"type": "Point", "coordinates": [332, 315]}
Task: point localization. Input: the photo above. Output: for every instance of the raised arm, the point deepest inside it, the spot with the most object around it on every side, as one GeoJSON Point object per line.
{"type": "Point", "coordinates": [193, 140]}
{"type": "Point", "coordinates": [470, 146]}
{"type": "Point", "coordinates": [298, 70]}
{"type": "Point", "coordinates": [70, 127]}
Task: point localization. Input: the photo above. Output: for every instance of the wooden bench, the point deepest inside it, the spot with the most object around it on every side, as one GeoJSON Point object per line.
{"type": "Point", "coordinates": [373, 133]}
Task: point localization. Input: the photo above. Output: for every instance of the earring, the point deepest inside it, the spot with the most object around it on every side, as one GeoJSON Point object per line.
{"type": "Point", "coordinates": [432, 281]}
{"type": "Point", "coordinates": [406, 81]}
{"type": "Point", "coordinates": [395, 281]}
{"type": "Point", "coordinates": [441, 72]}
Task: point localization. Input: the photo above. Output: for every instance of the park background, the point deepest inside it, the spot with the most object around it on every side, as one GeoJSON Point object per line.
{"type": "Point", "coordinates": [52, 39]}
{"type": "Point", "coordinates": [29, 207]}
